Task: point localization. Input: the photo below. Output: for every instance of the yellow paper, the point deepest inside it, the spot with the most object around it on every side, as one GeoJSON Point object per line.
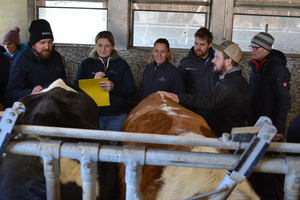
{"type": "Point", "coordinates": [94, 90]}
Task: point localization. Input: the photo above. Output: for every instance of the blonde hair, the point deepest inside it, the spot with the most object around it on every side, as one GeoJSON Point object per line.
{"type": "Point", "coordinates": [166, 42]}
{"type": "Point", "coordinates": [103, 34]}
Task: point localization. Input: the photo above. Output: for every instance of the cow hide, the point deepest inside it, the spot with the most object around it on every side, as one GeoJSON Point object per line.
{"type": "Point", "coordinates": [159, 115]}
{"type": "Point", "coordinates": [60, 105]}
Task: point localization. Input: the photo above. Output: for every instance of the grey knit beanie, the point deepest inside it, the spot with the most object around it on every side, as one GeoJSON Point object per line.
{"type": "Point", "coordinates": [265, 40]}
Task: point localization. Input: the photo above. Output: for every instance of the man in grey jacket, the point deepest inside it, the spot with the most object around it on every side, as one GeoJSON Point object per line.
{"type": "Point", "coordinates": [197, 68]}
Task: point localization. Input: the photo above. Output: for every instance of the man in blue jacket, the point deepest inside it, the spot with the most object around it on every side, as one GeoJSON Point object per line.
{"type": "Point", "coordinates": [197, 69]}
{"type": "Point", "coordinates": [269, 84]}
{"type": "Point", "coordinates": [37, 66]}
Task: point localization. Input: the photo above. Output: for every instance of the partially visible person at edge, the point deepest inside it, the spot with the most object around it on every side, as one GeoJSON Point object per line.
{"type": "Point", "coordinates": [269, 83]}
{"type": "Point", "coordinates": [229, 100]}
{"type": "Point", "coordinates": [5, 62]}
{"type": "Point", "coordinates": [104, 61]}
{"type": "Point", "coordinates": [37, 66]}
{"type": "Point", "coordinates": [160, 73]}
{"type": "Point", "coordinates": [197, 69]}
{"type": "Point", "coordinates": [11, 42]}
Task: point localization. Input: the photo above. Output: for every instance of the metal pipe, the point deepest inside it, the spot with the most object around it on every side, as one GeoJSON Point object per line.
{"type": "Point", "coordinates": [158, 157]}
{"type": "Point", "coordinates": [147, 138]}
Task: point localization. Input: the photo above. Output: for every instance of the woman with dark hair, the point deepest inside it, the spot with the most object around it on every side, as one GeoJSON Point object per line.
{"type": "Point", "coordinates": [104, 61]}
{"type": "Point", "coordinates": [11, 41]}
{"type": "Point", "coordinates": [160, 74]}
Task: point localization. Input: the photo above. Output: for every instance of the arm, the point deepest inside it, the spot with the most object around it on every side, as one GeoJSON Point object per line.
{"type": "Point", "coordinates": [222, 95]}
{"type": "Point", "coordinates": [283, 99]}
{"type": "Point", "coordinates": [81, 73]}
{"type": "Point", "coordinates": [17, 83]}
{"type": "Point", "coordinates": [127, 87]}
{"type": "Point", "coordinates": [178, 86]}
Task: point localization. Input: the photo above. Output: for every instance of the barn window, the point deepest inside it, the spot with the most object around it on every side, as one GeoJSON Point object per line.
{"type": "Point", "coordinates": [282, 18]}
{"type": "Point", "coordinates": [177, 21]}
{"type": "Point", "coordinates": [74, 22]}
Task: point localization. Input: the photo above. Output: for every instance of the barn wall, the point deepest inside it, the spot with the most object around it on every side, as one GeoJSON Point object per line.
{"type": "Point", "coordinates": [10, 10]}
{"type": "Point", "coordinates": [137, 59]}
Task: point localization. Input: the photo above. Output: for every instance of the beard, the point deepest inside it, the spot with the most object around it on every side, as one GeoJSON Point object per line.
{"type": "Point", "coordinates": [219, 71]}
{"type": "Point", "coordinates": [45, 56]}
{"type": "Point", "coordinates": [200, 53]}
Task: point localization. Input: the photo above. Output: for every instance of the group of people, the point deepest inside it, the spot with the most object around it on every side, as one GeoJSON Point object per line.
{"type": "Point", "coordinates": [207, 81]}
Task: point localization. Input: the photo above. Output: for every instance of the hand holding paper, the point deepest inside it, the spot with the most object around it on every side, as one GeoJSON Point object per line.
{"type": "Point", "coordinates": [93, 89]}
{"type": "Point", "coordinates": [107, 85]}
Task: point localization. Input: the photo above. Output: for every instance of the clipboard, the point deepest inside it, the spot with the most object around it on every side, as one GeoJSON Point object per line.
{"type": "Point", "coordinates": [94, 90]}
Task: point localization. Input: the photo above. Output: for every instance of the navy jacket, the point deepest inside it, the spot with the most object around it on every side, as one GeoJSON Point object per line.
{"type": "Point", "coordinates": [198, 76]}
{"type": "Point", "coordinates": [165, 77]}
{"type": "Point", "coordinates": [119, 73]}
{"type": "Point", "coordinates": [5, 63]}
{"type": "Point", "coordinates": [229, 102]}
{"type": "Point", "coordinates": [28, 71]}
{"type": "Point", "coordinates": [270, 90]}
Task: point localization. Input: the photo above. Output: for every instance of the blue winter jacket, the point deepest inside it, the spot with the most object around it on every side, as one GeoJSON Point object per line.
{"type": "Point", "coordinates": [23, 46]}
{"type": "Point", "coordinates": [165, 77]}
{"type": "Point", "coordinates": [28, 71]}
{"type": "Point", "coordinates": [119, 73]}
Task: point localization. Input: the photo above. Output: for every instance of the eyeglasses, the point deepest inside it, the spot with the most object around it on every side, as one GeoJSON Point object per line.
{"type": "Point", "coordinates": [254, 48]}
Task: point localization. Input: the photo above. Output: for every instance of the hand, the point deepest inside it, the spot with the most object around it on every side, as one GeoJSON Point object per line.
{"type": "Point", "coordinates": [172, 96]}
{"type": "Point", "coordinates": [36, 89]}
{"type": "Point", "coordinates": [99, 75]}
{"type": "Point", "coordinates": [107, 85]}
{"type": "Point", "coordinates": [277, 137]}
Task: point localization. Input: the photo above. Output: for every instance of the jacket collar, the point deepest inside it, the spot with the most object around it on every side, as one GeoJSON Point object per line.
{"type": "Point", "coordinates": [229, 72]}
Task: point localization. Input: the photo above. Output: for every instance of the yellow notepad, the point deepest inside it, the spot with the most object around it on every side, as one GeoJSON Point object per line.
{"type": "Point", "coordinates": [94, 90]}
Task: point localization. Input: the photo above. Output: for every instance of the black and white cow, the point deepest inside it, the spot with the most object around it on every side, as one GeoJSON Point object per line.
{"type": "Point", "coordinates": [22, 177]}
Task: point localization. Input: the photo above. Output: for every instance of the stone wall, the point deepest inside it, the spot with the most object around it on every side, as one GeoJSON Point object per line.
{"type": "Point", "coordinates": [137, 60]}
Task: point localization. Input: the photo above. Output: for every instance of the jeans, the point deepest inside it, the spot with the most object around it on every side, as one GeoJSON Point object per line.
{"type": "Point", "coordinates": [112, 123]}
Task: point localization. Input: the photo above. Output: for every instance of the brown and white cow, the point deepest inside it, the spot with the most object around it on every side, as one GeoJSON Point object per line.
{"type": "Point", "coordinates": [159, 115]}
{"type": "Point", "coordinates": [22, 177]}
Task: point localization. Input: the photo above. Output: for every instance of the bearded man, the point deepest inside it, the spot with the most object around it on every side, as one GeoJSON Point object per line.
{"type": "Point", "coordinates": [230, 98]}
{"type": "Point", "coordinates": [197, 68]}
{"type": "Point", "coordinates": [37, 66]}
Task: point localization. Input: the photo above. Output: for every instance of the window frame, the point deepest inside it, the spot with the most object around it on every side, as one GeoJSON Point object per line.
{"type": "Point", "coordinates": [176, 2]}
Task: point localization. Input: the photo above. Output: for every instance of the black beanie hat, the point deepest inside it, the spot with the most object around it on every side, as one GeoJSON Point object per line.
{"type": "Point", "coordinates": [39, 29]}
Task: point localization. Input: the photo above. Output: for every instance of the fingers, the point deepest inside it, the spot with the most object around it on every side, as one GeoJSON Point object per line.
{"type": "Point", "coordinates": [107, 85]}
{"type": "Point", "coordinates": [36, 89]}
{"type": "Point", "coordinates": [99, 75]}
{"type": "Point", "coordinates": [172, 96]}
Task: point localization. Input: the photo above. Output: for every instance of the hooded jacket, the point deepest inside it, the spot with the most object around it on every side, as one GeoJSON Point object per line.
{"type": "Point", "coordinates": [229, 102]}
{"type": "Point", "coordinates": [28, 71]}
{"type": "Point", "coordinates": [17, 52]}
{"type": "Point", "coordinates": [198, 76]}
{"type": "Point", "coordinates": [270, 90]}
{"type": "Point", "coordinates": [118, 72]}
{"type": "Point", "coordinates": [165, 77]}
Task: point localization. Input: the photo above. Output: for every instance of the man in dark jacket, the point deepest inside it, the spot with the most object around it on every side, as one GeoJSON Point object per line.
{"type": "Point", "coordinates": [269, 83]}
{"type": "Point", "coordinates": [197, 68]}
{"type": "Point", "coordinates": [5, 62]}
{"type": "Point", "coordinates": [230, 98]}
{"type": "Point", "coordinates": [37, 66]}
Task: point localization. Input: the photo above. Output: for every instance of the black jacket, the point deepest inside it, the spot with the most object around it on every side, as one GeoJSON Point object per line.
{"type": "Point", "coordinates": [165, 77]}
{"type": "Point", "coordinates": [5, 63]}
{"type": "Point", "coordinates": [198, 76]}
{"type": "Point", "coordinates": [119, 73]}
{"type": "Point", "coordinates": [229, 102]}
{"type": "Point", "coordinates": [270, 90]}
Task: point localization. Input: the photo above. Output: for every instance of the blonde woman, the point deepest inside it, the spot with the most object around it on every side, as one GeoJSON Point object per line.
{"type": "Point", "coordinates": [104, 61]}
